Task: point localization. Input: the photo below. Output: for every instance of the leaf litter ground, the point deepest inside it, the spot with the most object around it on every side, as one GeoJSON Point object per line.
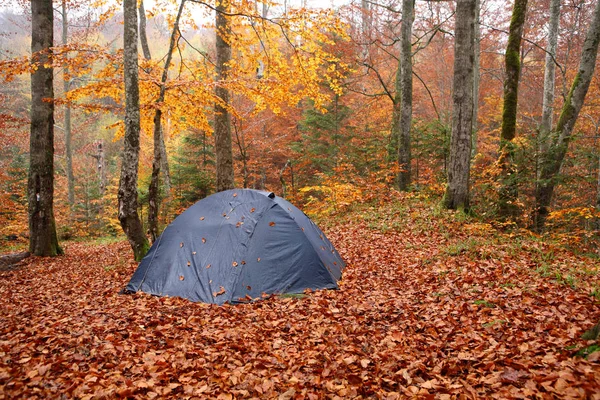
{"type": "Point", "coordinates": [426, 309]}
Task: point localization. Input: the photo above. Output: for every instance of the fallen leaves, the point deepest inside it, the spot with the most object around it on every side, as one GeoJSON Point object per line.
{"type": "Point", "coordinates": [404, 324]}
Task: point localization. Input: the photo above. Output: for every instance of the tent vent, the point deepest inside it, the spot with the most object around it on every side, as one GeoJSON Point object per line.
{"type": "Point", "coordinates": [271, 195]}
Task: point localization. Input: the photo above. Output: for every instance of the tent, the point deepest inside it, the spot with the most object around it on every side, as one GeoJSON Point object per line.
{"type": "Point", "coordinates": [236, 245]}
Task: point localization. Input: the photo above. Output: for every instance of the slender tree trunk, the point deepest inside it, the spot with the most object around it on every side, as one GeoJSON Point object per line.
{"type": "Point", "coordinates": [552, 159]}
{"type": "Point", "coordinates": [68, 135]}
{"type": "Point", "coordinates": [127, 195]}
{"type": "Point", "coordinates": [404, 151]}
{"type": "Point", "coordinates": [43, 240]}
{"type": "Point", "coordinates": [223, 150]}
{"type": "Point", "coordinates": [476, 76]}
{"type": "Point", "coordinates": [164, 161]}
{"type": "Point", "coordinates": [153, 190]}
{"type": "Point", "coordinates": [396, 103]}
{"type": "Point", "coordinates": [457, 189]}
{"type": "Point", "coordinates": [508, 192]}
{"type": "Point", "coordinates": [366, 28]}
{"type": "Point", "coordinates": [143, 33]}
{"type": "Point", "coordinates": [549, 76]}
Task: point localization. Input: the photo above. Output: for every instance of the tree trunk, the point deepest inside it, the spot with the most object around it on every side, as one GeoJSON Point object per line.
{"type": "Point", "coordinates": [549, 76]}
{"type": "Point", "coordinates": [404, 156]}
{"type": "Point", "coordinates": [153, 190]}
{"type": "Point", "coordinates": [127, 195]}
{"type": "Point", "coordinates": [143, 35]}
{"type": "Point", "coordinates": [552, 159]}
{"type": "Point", "coordinates": [223, 150]}
{"type": "Point", "coordinates": [508, 192]}
{"type": "Point", "coordinates": [43, 240]}
{"type": "Point", "coordinates": [476, 76]}
{"type": "Point", "coordinates": [457, 189]}
{"type": "Point", "coordinates": [396, 113]}
{"type": "Point", "coordinates": [164, 161]}
{"type": "Point", "coordinates": [66, 87]}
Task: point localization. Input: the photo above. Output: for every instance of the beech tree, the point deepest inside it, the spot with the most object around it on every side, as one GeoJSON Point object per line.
{"type": "Point", "coordinates": [222, 129]}
{"type": "Point", "coordinates": [549, 76]}
{"type": "Point", "coordinates": [406, 88]}
{"type": "Point", "coordinates": [127, 196]}
{"type": "Point", "coordinates": [508, 174]}
{"type": "Point", "coordinates": [67, 117]}
{"type": "Point", "coordinates": [553, 157]}
{"type": "Point", "coordinates": [43, 240]}
{"type": "Point", "coordinates": [153, 196]}
{"type": "Point", "coordinates": [457, 188]}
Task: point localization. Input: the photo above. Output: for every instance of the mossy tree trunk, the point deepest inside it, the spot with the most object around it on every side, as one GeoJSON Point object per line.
{"type": "Point", "coordinates": [553, 158]}
{"type": "Point", "coordinates": [508, 192]}
{"type": "Point", "coordinates": [223, 150]}
{"type": "Point", "coordinates": [43, 240]}
{"type": "Point", "coordinates": [404, 151]}
{"type": "Point", "coordinates": [457, 188]}
{"type": "Point", "coordinates": [127, 195]}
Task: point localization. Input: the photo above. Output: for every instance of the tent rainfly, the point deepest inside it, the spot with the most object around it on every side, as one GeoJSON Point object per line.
{"type": "Point", "coordinates": [234, 246]}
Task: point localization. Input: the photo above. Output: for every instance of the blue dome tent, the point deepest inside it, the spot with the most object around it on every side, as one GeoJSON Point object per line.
{"type": "Point", "coordinates": [236, 245]}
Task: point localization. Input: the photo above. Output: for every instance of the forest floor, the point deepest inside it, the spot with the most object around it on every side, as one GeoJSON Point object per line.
{"type": "Point", "coordinates": [429, 306]}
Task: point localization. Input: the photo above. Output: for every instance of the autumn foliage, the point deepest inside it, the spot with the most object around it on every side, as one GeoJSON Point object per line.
{"type": "Point", "coordinates": [426, 308]}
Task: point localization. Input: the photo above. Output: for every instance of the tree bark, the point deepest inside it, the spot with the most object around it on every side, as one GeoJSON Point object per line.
{"type": "Point", "coordinates": [223, 150]}
{"type": "Point", "coordinates": [127, 195]}
{"type": "Point", "coordinates": [153, 190]}
{"type": "Point", "coordinates": [404, 150]}
{"type": "Point", "coordinates": [396, 114]}
{"type": "Point", "coordinates": [164, 161]}
{"type": "Point", "coordinates": [67, 122]}
{"type": "Point", "coordinates": [508, 192]}
{"type": "Point", "coordinates": [143, 34]}
{"type": "Point", "coordinates": [549, 76]}
{"type": "Point", "coordinates": [457, 188]}
{"type": "Point", "coordinates": [476, 76]}
{"type": "Point", "coordinates": [552, 159]}
{"type": "Point", "coordinates": [43, 240]}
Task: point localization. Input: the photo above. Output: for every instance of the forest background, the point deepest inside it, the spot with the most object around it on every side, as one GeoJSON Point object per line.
{"type": "Point", "coordinates": [315, 94]}
{"type": "Point", "coordinates": [458, 180]}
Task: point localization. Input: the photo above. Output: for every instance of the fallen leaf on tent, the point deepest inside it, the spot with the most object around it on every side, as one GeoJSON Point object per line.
{"type": "Point", "coordinates": [193, 252]}
{"type": "Point", "coordinates": [189, 263]}
{"type": "Point", "coordinates": [235, 264]}
{"type": "Point", "coordinates": [201, 218]}
{"type": "Point", "coordinates": [252, 209]}
{"type": "Point", "coordinates": [181, 277]}
{"type": "Point", "coordinates": [208, 266]}
{"type": "Point", "coordinates": [203, 240]}
{"type": "Point", "coordinates": [181, 244]}
{"type": "Point", "coordinates": [239, 224]}
{"type": "Point", "coordinates": [271, 223]}
{"type": "Point", "coordinates": [220, 292]}
{"type": "Point", "coordinates": [224, 214]}
{"type": "Point", "coordinates": [243, 262]}
{"type": "Point", "coordinates": [258, 259]}
{"type": "Point", "coordinates": [235, 195]}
